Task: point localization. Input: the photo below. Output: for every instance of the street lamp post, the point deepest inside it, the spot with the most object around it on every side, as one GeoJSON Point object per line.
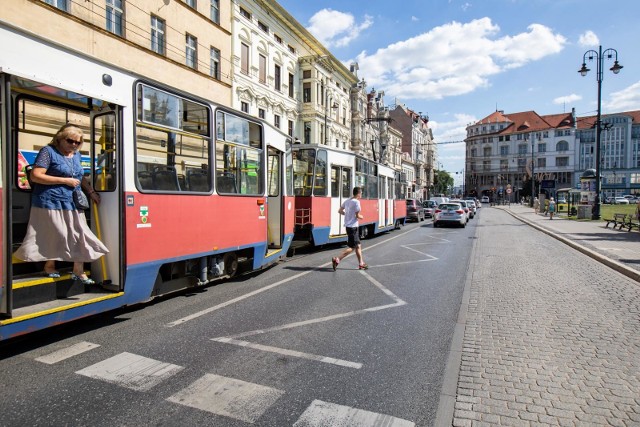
{"type": "Point", "coordinates": [533, 178]}
{"type": "Point", "coordinates": [599, 56]}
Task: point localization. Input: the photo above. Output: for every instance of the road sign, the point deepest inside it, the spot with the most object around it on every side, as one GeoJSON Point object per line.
{"type": "Point", "coordinates": [508, 191]}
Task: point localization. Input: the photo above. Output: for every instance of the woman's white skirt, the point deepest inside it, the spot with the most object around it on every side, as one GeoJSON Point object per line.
{"type": "Point", "coordinates": [61, 235]}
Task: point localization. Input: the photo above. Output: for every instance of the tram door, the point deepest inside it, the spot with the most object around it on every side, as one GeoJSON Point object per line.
{"type": "Point", "coordinates": [275, 189]}
{"type": "Point", "coordinates": [385, 204]}
{"type": "Point", "coordinates": [4, 304]}
{"type": "Point", "coordinates": [341, 188]}
{"type": "Point", "coordinates": [106, 221]}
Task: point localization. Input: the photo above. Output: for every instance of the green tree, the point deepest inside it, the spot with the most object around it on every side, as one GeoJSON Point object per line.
{"type": "Point", "coordinates": [442, 182]}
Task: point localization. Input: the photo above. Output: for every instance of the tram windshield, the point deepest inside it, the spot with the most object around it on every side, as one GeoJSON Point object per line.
{"type": "Point", "coordinates": [309, 172]}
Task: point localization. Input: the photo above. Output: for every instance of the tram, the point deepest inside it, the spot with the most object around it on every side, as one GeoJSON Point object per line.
{"type": "Point", "coordinates": [191, 191]}
{"type": "Point", "coordinates": [323, 178]}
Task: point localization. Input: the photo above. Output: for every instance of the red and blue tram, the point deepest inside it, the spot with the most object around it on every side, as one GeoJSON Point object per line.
{"type": "Point", "coordinates": [191, 191]}
{"type": "Point", "coordinates": [323, 178]}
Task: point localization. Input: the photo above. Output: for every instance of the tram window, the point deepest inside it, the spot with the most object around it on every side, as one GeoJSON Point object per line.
{"type": "Point", "coordinates": [104, 140]}
{"type": "Point", "coordinates": [172, 139]}
{"type": "Point", "coordinates": [346, 183]}
{"type": "Point", "coordinates": [335, 181]}
{"type": "Point", "coordinates": [273, 181]}
{"type": "Point", "coordinates": [361, 181]}
{"type": "Point", "coordinates": [372, 186]}
{"type": "Point", "coordinates": [320, 179]}
{"type": "Point", "coordinates": [303, 165]}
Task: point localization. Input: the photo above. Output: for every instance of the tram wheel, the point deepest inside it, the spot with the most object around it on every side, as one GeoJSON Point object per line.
{"type": "Point", "coordinates": [230, 264]}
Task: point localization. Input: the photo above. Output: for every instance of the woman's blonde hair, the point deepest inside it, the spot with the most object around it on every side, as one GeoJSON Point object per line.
{"type": "Point", "coordinates": [68, 129]}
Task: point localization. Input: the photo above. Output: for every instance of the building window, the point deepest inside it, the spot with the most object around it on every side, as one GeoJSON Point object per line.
{"type": "Point", "coordinates": [306, 92]}
{"type": "Point", "coordinates": [244, 107]}
{"type": "Point", "coordinates": [264, 27]}
{"type": "Point", "coordinates": [562, 146]}
{"type": "Point", "coordinates": [215, 11]}
{"type": "Point", "coordinates": [504, 150]}
{"type": "Point", "coordinates": [215, 63]}
{"type": "Point", "coordinates": [244, 59]}
{"type": "Point", "coordinates": [487, 151]}
{"type": "Point", "coordinates": [306, 74]}
{"type": "Point", "coordinates": [262, 69]}
{"type": "Point", "coordinates": [244, 13]}
{"type": "Point", "coordinates": [291, 84]}
{"type": "Point", "coordinates": [542, 148]}
{"type": "Point", "coordinates": [291, 49]}
{"type": "Point", "coordinates": [307, 132]}
{"type": "Point", "coordinates": [542, 163]}
{"type": "Point", "coordinates": [157, 35]}
{"type": "Point", "coordinates": [276, 73]}
{"type": "Point", "coordinates": [290, 128]}
{"type": "Point", "coordinates": [522, 149]}
{"type": "Point", "coordinates": [191, 3]}
{"type": "Point", "coordinates": [562, 161]}
{"type": "Point", "coordinates": [60, 4]}
{"type": "Point", "coordinates": [276, 121]}
{"type": "Point", "coordinates": [261, 113]}
{"type": "Point", "coordinates": [114, 12]}
{"type": "Point", "coordinates": [191, 51]}
{"type": "Point", "coordinates": [277, 38]}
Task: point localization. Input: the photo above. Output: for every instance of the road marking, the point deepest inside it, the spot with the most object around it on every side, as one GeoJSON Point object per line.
{"type": "Point", "coordinates": [229, 397]}
{"type": "Point", "coordinates": [320, 414]}
{"type": "Point", "coordinates": [67, 352]}
{"type": "Point", "coordinates": [266, 288]}
{"type": "Point", "coordinates": [292, 353]}
{"type": "Point", "coordinates": [131, 371]}
{"type": "Point", "coordinates": [232, 339]}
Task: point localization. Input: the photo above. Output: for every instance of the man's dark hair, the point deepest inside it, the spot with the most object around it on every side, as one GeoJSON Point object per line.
{"type": "Point", "coordinates": [356, 191]}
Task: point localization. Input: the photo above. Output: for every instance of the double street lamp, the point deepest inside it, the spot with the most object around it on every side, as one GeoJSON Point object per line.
{"type": "Point", "coordinates": [599, 57]}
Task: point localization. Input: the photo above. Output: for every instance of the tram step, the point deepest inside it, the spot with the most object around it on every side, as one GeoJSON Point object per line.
{"type": "Point", "coordinates": [32, 290]}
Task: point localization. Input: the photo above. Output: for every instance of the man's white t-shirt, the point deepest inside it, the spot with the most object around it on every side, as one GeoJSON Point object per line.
{"type": "Point", "coordinates": [351, 208]}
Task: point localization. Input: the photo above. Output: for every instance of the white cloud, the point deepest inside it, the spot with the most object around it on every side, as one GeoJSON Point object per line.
{"type": "Point", "coordinates": [465, 6]}
{"type": "Point", "coordinates": [588, 39]}
{"type": "Point", "coordinates": [334, 28]}
{"type": "Point", "coordinates": [454, 59]}
{"type": "Point", "coordinates": [453, 130]}
{"type": "Point", "coordinates": [414, 19]}
{"type": "Point", "coordinates": [567, 99]}
{"type": "Point", "coordinates": [627, 99]}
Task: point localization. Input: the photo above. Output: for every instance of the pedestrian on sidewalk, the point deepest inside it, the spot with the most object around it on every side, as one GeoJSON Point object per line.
{"type": "Point", "coordinates": [546, 207]}
{"type": "Point", "coordinates": [536, 205]}
{"type": "Point", "coordinates": [552, 208]}
{"type": "Point", "coordinates": [351, 211]}
{"type": "Point", "coordinates": [638, 210]}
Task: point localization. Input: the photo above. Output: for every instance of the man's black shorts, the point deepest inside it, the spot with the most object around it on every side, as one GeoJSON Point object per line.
{"type": "Point", "coordinates": [353, 237]}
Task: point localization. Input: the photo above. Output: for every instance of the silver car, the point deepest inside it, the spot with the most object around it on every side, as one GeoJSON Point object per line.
{"type": "Point", "coordinates": [450, 213]}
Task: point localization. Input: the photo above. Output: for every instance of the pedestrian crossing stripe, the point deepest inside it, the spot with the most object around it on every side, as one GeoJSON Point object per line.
{"type": "Point", "coordinates": [131, 371]}
{"type": "Point", "coordinates": [228, 397]}
{"type": "Point", "coordinates": [67, 352]}
{"type": "Point", "coordinates": [320, 414]}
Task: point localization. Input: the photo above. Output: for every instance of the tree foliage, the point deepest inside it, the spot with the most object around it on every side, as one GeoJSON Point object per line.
{"type": "Point", "coordinates": [442, 182]}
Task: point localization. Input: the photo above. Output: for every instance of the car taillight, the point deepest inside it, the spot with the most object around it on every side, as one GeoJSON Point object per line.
{"type": "Point", "coordinates": [460, 211]}
{"type": "Point", "coordinates": [438, 210]}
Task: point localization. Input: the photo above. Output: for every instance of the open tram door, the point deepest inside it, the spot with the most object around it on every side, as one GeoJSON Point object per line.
{"type": "Point", "coordinates": [275, 200]}
{"type": "Point", "coordinates": [31, 114]}
{"type": "Point", "coordinates": [341, 190]}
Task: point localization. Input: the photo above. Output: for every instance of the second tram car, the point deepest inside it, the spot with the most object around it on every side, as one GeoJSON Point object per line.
{"type": "Point", "coordinates": [323, 178]}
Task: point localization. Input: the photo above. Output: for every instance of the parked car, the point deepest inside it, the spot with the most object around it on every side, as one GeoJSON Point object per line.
{"type": "Point", "coordinates": [630, 198]}
{"type": "Point", "coordinates": [450, 213]}
{"type": "Point", "coordinates": [472, 205]}
{"type": "Point", "coordinates": [620, 201]}
{"type": "Point", "coordinates": [485, 199]}
{"type": "Point", "coordinates": [415, 211]}
{"type": "Point", "coordinates": [429, 208]}
{"type": "Point", "coordinates": [440, 200]}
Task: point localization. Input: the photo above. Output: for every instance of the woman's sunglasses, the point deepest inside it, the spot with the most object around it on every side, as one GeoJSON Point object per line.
{"type": "Point", "coordinates": [73, 141]}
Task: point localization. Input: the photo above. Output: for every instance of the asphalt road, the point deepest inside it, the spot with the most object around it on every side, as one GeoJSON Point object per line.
{"type": "Point", "coordinates": [297, 344]}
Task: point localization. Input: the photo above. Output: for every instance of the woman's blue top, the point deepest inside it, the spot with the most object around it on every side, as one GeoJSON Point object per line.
{"type": "Point", "coordinates": [57, 196]}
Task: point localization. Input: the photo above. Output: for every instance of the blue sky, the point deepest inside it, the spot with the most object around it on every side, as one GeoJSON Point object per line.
{"type": "Point", "coordinates": [457, 61]}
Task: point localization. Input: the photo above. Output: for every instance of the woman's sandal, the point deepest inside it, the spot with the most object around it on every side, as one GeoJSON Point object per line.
{"type": "Point", "coordinates": [86, 281]}
{"type": "Point", "coordinates": [52, 275]}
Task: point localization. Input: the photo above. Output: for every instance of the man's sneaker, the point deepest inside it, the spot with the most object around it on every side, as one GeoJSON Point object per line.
{"type": "Point", "coordinates": [363, 267]}
{"type": "Point", "coordinates": [335, 262]}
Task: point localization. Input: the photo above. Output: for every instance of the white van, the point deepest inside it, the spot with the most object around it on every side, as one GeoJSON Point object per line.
{"type": "Point", "coordinates": [440, 200]}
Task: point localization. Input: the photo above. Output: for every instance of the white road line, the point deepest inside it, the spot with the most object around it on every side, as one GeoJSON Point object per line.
{"type": "Point", "coordinates": [321, 414]}
{"type": "Point", "coordinates": [229, 397]}
{"type": "Point", "coordinates": [131, 371]}
{"type": "Point", "coordinates": [292, 353]}
{"type": "Point", "coordinates": [67, 352]}
{"type": "Point", "coordinates": [266, 288]}
{"type": "Point", "coordinates": [232, 339]}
